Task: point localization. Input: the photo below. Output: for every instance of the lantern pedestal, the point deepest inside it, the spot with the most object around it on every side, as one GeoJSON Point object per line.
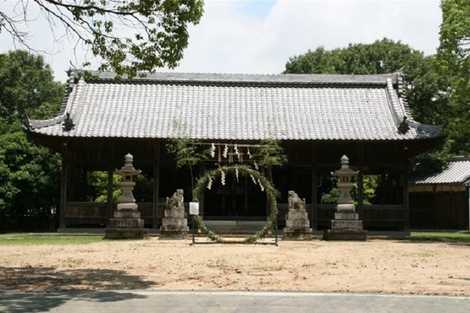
{"type": "Point", "coordinates": [126, 223]}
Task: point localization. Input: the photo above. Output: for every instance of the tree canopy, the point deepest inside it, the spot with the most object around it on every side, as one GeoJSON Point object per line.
{"type": "Point", "coordinates": [28, 173]}
{"type": "Point", "coordinates": [128, 36]}
{"type": "Point", "coordinates": [454, 66]}
{"type": "Point", "coordinates": [436, 93]}
{"type": "Point", "coordinates": [379, 57]}
{"type": "Point", "coordinates": [27, 87]}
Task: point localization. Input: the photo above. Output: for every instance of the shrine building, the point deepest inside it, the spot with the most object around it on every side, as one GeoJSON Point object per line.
{"type": "Point", "coordinates": [316, 118]}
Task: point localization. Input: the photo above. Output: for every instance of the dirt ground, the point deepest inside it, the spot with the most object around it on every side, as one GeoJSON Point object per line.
{"type": "Point", "coordinates": [382, 266]}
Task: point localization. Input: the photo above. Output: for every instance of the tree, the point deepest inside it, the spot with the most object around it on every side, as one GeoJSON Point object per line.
{"type": "Point", "coordinates": [426, 86]}
{"type": "Point", "coordinates": [269, 154]}
{"type": "Point", "coordinates": [27, 87]}
{"type": "Point", "coordinates": [28, 181]}
{"type": "Point", "coordinates": [383, 56]}
{"type": "Point", "coordinates": [129, 36]}
{"type": "Point", "coordinates": [28, 173]}
{"type": "Point", "coordinates": [454, 65]}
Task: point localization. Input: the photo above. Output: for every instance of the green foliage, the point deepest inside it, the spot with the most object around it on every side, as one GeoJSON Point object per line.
{"type": "Point", "coordinates": [27, 87]}
{"type": "Point", "coordinates": [270, 153]}
{"type": "Point", "coordinates": [99, 181]}
{"type": "Point", "coordinates": [187, 152]}
{"type": "Point", "coordinates": [28, 178]}
{"type": "Point", "coordinates": [426, 92]}
{"type": "Point", "coordinates": [459, 236]}
{"type": "Point", "coordinates": [47, 239]}
{"type": "Point", "coordinates": [330, 197]}
{"type": "Point", "coordinates": [369, 186]}
{"type": "Point", "coordinates": [454, 65]}
{"type": "Point", "coordinates": [383, 56]}
{"type": "Point", "coordinates": [129, 36]}
{"type": "Point", "coordinates": [28, 173]}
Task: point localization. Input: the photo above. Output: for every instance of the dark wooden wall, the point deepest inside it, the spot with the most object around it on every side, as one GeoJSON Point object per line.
{"type": "Point", "coordinates": [307, 161]}
{"type": "Point", "coordinates": [439, 210]}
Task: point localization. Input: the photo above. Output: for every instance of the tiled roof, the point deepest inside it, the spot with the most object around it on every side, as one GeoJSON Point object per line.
{"type": "Point", "coordinates": [458, 171]}
{"type": "Point", "coordinates": [238, 107]}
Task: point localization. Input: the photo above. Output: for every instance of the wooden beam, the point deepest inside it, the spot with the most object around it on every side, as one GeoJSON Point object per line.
{"type": "Point", "coordinates": [467, 198]}
{"type": "Point", "coordinates": [156, 186]}
{"type": "Point", "coordinates": [314, 207]}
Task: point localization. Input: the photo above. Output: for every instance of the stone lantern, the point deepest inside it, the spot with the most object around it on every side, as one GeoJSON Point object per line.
{"type": "Point", "coordinates": [128, 173]}
{"type": "Point", "coordinates": [126, 223]}
{"type": "Point", "coordinates": [345, 184]}
{"type": "Point", "coordinates": [346, 225]}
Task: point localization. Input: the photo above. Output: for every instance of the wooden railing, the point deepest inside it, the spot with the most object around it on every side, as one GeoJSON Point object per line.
{"type": "Point", "coordinates": [375, 216]}
{"type": "Point", "coordinates": [96, 214]}
{"type": "Point", "coordinates": [391, 217]}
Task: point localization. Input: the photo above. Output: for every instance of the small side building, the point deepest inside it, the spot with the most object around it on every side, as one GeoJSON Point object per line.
{"type": "Point", "coordinates": [441, 200]}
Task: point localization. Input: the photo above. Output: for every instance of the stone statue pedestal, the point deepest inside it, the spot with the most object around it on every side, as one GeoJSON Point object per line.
{"type": "Point", "coordinates": [297, 221]}
{"type": "Point", "coordinates": [174, 224]}
{"type": "Point", "coordinates": [346, 225]}
{"type": "Point", "coordinates": [126, 223]}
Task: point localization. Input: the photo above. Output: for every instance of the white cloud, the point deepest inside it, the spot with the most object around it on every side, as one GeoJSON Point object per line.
{"type": "Point", "coordinates": [227, 40]}
{"type": "Point", "coordinates": [231, 38]}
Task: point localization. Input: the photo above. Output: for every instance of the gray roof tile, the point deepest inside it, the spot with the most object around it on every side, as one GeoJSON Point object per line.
{"type": "Point", "coordinates": [238, 107]}
{"type": "Point", "coordinates": [457, 172]}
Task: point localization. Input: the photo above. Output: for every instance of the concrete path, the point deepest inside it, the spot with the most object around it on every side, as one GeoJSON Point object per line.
{"type": "Point", "coordinates": [222, 302]}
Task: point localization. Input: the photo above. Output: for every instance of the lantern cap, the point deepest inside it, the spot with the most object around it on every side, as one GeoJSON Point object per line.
{"type": "Point", "coordinates": [128, 169]}
{"type": "Point", "coordinates": [345, 170]}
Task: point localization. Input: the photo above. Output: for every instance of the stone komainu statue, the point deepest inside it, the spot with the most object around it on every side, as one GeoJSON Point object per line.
{"type": "Point", "coordinates": [175, 204]}
{"type": "Point", "coordinates": [173, 221]}
{"type": "Point", "coordinates": [297, 221]}
{"type": "Point", "coordinates": [294, 201]}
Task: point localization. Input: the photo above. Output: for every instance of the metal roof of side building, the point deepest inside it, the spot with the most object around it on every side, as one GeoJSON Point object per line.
{"type": "Point", "coordinates": [237, 107]}
{"type": "Point", "coordinates": [457, 172]}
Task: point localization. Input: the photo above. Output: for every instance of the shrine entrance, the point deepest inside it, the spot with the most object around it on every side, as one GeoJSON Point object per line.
{"type": "Point", "coordinates": [235, 201]}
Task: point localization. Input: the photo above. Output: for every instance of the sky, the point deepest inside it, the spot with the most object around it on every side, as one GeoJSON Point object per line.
{"type": "Point", "coordinates": [259, 36]}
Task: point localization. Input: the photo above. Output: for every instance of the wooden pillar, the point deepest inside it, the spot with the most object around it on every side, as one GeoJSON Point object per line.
{"type": "Point", "coordinates": [314, 208]}
{"type": "Point", "coordinates": [109, 195]}
{"type": "Point", "coordinates": [156, 186]}
{"type": "Point", "coordinates": [63, 186]}
{"type": "Point", "coordinates": [360, 188]}
{"type": "Point", "coordinates": [406, 199]}
{"type": "Point", "coordinates": [467, 197]}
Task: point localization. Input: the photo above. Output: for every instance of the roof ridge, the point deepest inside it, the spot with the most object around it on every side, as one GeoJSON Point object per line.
{"type": "Point", "coordinates": [247, 79]}
{"type": "Point", "coordinates": [400, 121]}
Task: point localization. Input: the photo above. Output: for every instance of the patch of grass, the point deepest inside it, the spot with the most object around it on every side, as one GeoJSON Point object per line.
{"type": "Point", "coordinates": [51, 238]}
{"type": "Point", "coordinates": [458, 236]}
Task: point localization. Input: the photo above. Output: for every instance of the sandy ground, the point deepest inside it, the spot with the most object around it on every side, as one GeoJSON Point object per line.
{"type": "Point", "coordinates": [382, 266]}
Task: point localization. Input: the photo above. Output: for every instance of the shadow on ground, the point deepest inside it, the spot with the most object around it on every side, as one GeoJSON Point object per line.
{"type": "Point", "coordinates": [39, 289]}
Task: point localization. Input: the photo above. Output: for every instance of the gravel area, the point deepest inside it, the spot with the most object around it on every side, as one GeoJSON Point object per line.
{"type": "Point", "coordinates": [379, 266]}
